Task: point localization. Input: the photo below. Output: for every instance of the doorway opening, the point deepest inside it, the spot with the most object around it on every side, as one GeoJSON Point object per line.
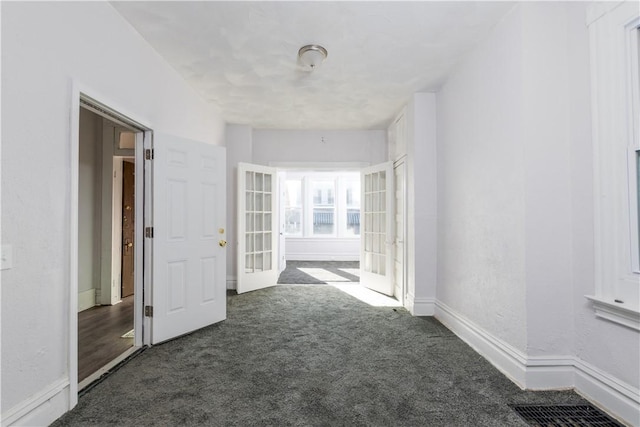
{"type": "Point", "coordinates": [335, 225]}
{"type": "Point", "coordinates": [107, 211]}
{"type": "Point", "coordinates": [320, 223]}
{"type": "Point", "coordinates": [320, 220]}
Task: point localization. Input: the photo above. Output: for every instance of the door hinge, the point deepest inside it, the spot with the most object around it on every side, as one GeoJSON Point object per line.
{"type": "Point", "coordinates": [148, 311]}
{"type": "Point", "coordinates": [148, 232]}
{"type": "Point", "coordinates": [148, 154]}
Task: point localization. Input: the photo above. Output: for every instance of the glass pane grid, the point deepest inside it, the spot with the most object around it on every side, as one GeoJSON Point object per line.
{"type": "Point", "coordinates": [258, 222]}
{"type": "Point", "coordinates": [375, 223]}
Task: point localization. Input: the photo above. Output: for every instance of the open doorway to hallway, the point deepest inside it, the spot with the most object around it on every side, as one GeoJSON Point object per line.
{"type": "Point", "coordinates": [106, 238]}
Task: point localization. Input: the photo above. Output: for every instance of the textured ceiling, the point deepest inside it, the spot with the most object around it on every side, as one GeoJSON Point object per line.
{"type": "Point", "coordinates": [242, 56]}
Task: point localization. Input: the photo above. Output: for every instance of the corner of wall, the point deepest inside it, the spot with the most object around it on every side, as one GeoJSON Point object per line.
{"type": "Point", "coordinates": [422, 195]}
{"type": "Point", "coordinates": [232, 283]}
{"type": "Point", "coordinates": [86, 299]}
{"type": "Point", "coordinates": [420, 306]}
{"type": "Point", "coordinates": [612, 395]}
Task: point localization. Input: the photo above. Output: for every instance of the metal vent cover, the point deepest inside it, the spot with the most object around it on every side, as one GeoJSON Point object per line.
{"type": "Point", "coordinates": [564, 416]}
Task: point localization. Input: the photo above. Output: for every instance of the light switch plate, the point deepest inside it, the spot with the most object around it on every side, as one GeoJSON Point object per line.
{"type": "Point", "coordinates": [6, 257]}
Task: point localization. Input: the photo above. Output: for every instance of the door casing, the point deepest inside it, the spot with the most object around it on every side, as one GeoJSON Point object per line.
{"type": "Point", "coordinates": [82, 96]}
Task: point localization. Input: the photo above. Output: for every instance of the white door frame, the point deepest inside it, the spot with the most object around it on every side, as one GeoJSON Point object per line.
{"type": "Point", "coordinates": [402, 298]}
{"type": "Point", "coordinates": [111, 212]}
{"type": "Point", "coordinates": [78, 91]}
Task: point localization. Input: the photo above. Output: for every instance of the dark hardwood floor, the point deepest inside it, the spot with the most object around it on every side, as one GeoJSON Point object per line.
{"type": "Point", "coordinates": [100, 331]}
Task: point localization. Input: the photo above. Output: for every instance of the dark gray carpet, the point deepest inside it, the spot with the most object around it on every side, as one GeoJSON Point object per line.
{"type": "Point", "coordinates": [319, 272]}
{"type": "Point", "coordinates": [309, 356]}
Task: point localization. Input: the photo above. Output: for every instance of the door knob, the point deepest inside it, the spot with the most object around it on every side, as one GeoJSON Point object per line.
{"type": "Point", "coordinates": [222, 243]}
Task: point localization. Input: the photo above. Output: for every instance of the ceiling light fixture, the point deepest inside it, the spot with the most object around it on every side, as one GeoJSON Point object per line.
{"type": "Point", "coordinates": [312, 55]}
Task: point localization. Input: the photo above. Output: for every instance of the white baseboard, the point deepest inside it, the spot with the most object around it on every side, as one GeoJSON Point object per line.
{"type": "Point", "coordinates": [421, 306]}
{"type": "Point", "coordinates": [232, 283]}
{"type": "Point", "coordinates": [615, 397]}
{"type": "Point", "coordinates": [86, 299]}
{"type": "Point", "coordinates": [503, 356]}
{"type": "Point", "coordinates": [40, 409]}
{"type": "Point", "coordinates": [549, 372]}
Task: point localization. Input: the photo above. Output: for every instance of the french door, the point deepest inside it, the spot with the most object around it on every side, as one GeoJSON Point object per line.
{"type": "Point", "coordinates": [377, 234]}
{"type": "Point", "coordinates": [258, 233]}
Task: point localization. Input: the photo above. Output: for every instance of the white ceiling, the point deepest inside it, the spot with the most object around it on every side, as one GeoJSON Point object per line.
{"type": "Point", "coordinates": [242, 56]}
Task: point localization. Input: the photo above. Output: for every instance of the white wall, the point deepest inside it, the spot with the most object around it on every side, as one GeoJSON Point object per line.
{"type": "Point", "coordinates": [239, 149]}
{"type": "Point", "coordinates": [481, 216]}
{"type": "Point", "coordinates": [89, 208]}
{"type": "Point", "coordinates": [515, 210]}
{"type": "Point", "coordinates": [50, 46]}
{"type": "Point", "coordinates": [280, 146]}
{"type": "Point", "coordinates": [322, 249]}
{"type": "Point", "coordinates": [421, 257]}
{"type": "Point", "coordinates": [548, 125]}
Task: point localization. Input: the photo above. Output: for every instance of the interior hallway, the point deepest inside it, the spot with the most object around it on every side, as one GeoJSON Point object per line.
{"type": "Point", "coordinates": [310, 355]}
{"type": "Point", "coordinates": [100, 331]}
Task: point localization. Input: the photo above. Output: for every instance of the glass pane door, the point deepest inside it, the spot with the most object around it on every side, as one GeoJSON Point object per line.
{"type": "Point", "coordinates": [376, 255]}
{"type": "Point", "coordinates": [257, 251]}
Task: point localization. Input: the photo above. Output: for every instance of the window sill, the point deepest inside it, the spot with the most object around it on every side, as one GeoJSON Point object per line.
{"type": "Point", "coordinates": [622, 314]}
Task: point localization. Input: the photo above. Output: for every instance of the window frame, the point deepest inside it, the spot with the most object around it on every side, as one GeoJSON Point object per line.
{"type": "Point", "coordinates": [301, 207]}
{"type": "Point", "coordinates": [339, 178]}
{"type": "Point", "coordinates": [615, 130]}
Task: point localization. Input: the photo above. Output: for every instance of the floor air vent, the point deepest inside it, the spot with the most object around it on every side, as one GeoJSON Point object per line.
{"type": "Point", "coordinates": [564, 416]}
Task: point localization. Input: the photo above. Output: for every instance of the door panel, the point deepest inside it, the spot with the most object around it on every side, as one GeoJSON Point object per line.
{"type": "Point", "coordinates": [128, 227]}
{"type": "Point", "coordinates": [258, 229]}
{"type": "Point", "coordinates": [189, 195]}
{"type": "Point", "coordinates": [376, 239]}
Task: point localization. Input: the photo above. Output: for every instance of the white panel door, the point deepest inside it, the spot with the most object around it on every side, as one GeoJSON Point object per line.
{"type": "Point", "coordinates": [257, 227]}
{"type": "Point", "coordinates": [188, 284]}
{"type": "Point", "coordinates": [376, 237]}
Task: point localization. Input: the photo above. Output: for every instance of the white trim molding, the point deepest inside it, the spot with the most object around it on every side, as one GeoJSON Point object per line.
{"type": "Point", "coordinates": [42, 408]}
{"type": "Point", "coordinates": [612, 395]}
{"type": "Point", "coordinates": [420, 306]}
{"type": "Point", "coordinates": [614, 312]}
{"type": "Point", "coordinates": [232, 283]}
{"type": "Point", "coordinates": [616, 397]}
{"type": "Point", "coordinates": [507, 359]}
{"type": "Point", "coordinates": [549, 372]}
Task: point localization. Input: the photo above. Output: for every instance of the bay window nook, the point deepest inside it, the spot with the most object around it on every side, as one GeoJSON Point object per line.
{"type": "Point", "coordinates": [322, 215]}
